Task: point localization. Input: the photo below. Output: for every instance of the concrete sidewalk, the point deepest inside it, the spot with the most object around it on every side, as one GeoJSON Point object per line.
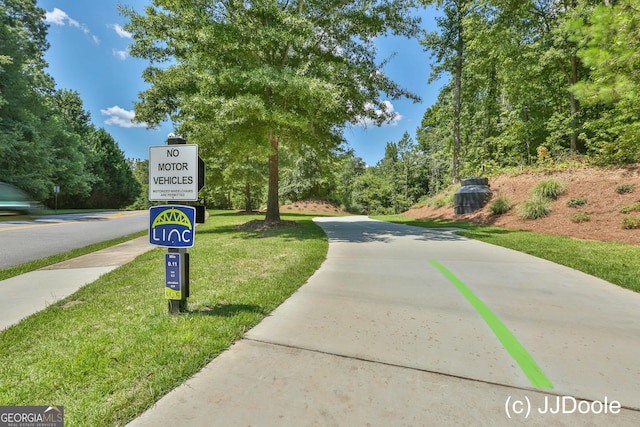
{"type": "Point", "coordinates": [380, 336]}
{"type": "Point", "coordinates": [34, 291]}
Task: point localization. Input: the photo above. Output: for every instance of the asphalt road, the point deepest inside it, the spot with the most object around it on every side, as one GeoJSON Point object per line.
{"type": "Point", "coordinates": [23, 241]}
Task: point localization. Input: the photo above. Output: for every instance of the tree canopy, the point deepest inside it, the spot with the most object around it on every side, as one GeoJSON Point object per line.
{"type": "Point", "coordinates": [253, 75]}
{"type": "Point", "coordinates": [550, 80]}
{"type": "Point", "coordinates": [46, 136]}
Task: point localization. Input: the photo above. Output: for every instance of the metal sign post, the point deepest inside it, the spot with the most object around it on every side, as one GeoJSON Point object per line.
{"type": "Point", "coordinates": [56, 190]}
{"type": "Point", "coordinates": [173, 227]}
{"type": "Point", "coordinates": [176, 173]}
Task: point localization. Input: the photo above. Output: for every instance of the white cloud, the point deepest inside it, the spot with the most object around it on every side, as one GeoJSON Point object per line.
{"type": "Point", "coordinates": [388, 108]}
{"type": "Point", "coordinates": [120, 117]}
{"type": "Point", "coordinates": [121, 31]}
{"type": "Point", "coordinates": [61, 18]}
{"type": "Point", "coordinates": [120, 54]}
{"type": "Point", "coordinates": [57, 17]}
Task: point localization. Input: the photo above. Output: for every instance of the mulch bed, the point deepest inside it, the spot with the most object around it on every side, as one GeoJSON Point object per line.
{"type": "Point", "coordinates": [262, 225]}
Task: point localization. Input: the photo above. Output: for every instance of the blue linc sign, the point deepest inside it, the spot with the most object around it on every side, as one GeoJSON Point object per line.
{"type": "Point", "coordinates": [172, 226]}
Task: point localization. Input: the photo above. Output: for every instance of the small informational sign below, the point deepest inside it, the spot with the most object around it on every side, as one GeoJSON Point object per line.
{"type": "Point", "coordinates": [173, 172]}
{"type": "Point", "coordinates": [173, 286]}
{"type": "Point", "coordinates": [172, 226]}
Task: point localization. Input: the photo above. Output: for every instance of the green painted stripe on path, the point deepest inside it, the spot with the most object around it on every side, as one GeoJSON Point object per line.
{"type": "Point", "coordinates": [509, 342]}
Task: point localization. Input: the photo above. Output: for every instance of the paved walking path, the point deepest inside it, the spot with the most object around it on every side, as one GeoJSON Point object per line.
{"type": "Point", "coordinates": [407, 326]}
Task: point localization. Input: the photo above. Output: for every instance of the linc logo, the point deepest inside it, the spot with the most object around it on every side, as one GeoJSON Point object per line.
{"type": "Point", "coordinates": [171, 226]}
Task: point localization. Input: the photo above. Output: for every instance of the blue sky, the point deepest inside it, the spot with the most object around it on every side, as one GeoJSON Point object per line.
{"type": "Point", "coordinates": [89, 54]}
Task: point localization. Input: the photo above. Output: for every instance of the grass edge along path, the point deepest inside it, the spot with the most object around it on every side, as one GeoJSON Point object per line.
{"type": "Point", "coordinates": [110, 351]}
{"type": "Point", "coordinates": [614, 262]}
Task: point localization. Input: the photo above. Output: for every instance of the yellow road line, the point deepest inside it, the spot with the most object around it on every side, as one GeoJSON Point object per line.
{"type": "Point", "coordinates": [24, 227]}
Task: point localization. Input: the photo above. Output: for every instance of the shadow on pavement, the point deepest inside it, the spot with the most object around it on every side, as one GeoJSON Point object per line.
{"type": "Point", "coordinates": [378, 231]}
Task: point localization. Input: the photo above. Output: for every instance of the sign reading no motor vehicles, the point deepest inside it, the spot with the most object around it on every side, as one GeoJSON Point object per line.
{"type": "Point", "coordinates": [173, 172]}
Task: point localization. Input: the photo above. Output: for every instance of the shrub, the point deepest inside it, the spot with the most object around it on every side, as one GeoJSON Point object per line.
{"type": "Point", "coordinates": [438, 203]}
{"type": "Point", "coordinates": [625, 188]}
{"type": "Point", "coordinates": [631, 222]}
{"type": "Point", "coordinates": [630, 208]}
{"type": "Point", "coordinates": [535, 207]}
{"type": "Point", "coordinates": [576, 201]}
{"type": "Point", "coordinates": [550, 189]}
{"type": "Point", "coordinates": [450, 199]}
{"type": "Point", "coordinates": [500, 206]}
{"type": "Point", "coordinates": [579, 217]}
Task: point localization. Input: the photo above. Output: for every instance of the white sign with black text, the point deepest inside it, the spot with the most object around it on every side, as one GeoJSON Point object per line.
{"type": "Point", "coordinates": [173, 172]}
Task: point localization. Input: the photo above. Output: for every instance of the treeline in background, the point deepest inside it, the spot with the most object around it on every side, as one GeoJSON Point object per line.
{"type": "Point", "coordinates": [527, 83]}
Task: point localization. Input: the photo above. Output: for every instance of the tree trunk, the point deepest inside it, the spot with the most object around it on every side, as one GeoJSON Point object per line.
{"type": "Point", "coordinates": [247, 197]}
{"type": "Point", "coordinates": [573, 102]}
{"type": "Point", "coordinates": [273, 202]}
{"type": "Point", "coordinates": [457, 103]}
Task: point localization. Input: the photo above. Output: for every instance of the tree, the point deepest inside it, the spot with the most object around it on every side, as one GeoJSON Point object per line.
{"type": "Point", "coordinates": [448, 47]}
{"type": "Point", "coordinates": [373, 192]}
{"type": "Point", "coordinates": [69, 129]}
{"type": "Point", "coordinates": [115, 185]}
{"type": "Point", "coordinates": [609, 46]}
{"type": "Point", "coordinates": [347, 170]}
{"type": "Point", "coordinates": [25, 158]}
{"type": "Point", "coordinates": [268, 72]}
{"type": "Point", "coordinates": [307, 175]}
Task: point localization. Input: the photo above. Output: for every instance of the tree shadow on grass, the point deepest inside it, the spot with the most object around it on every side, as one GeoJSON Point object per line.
{"type": "Point", "coordinates": [228, 310]}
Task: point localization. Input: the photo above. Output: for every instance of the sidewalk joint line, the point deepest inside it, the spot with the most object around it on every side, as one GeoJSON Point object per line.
{"type": "Point", "coordinates": [428, 371]}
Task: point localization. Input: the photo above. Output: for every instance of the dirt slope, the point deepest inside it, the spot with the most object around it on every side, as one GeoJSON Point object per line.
{"type": "Point", "coordinates": [320, 207]}
{"type": "Point", "coordinates": [597, 186]}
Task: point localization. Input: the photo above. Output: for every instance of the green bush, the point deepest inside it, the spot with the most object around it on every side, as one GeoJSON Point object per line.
{"type": "Point", "coordinates": [576, 201]}
{"type": "Point", "coordinates": [535, 207]}
{"type": "Point", "coordinates": [625, 188]}
{"type": "Point", "coordinates": [550, 189]}
{"type": "Point", "coordinates": [579, 217]}
{"type": "Point", "coordinates": [631, 222]}
{"type": "Point", "coordinates": [630, 208]}
{"type": "Point", "coordinates": [450, 199]}
{"type": "Point", "coordinates": [500, 206]}
{"type": "Point", "coordinates": [438, 203]}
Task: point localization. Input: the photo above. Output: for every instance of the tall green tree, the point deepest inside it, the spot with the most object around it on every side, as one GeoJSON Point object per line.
{"type": "Point", "coordinates": [307, 175]}
{"type": "Point", "coordinates": [70, 130]}
{"type": "Point", "coordinates": [448, 46]}
{"type": "Point", "coordinates": [268, 72]}
{"type": "Point", "coordinates": [513, 93]}
{"type": "Point", "coordinates": [610, 47]}
{"type": "Point", "coordinates": [25, 150]}
{"type": "Point", "coordinates": [347, 169]}
{"type": "Point", "coordinates": [115, 185]}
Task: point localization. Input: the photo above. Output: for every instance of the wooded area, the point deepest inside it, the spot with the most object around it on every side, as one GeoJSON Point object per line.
{"type": "Point", "coordinates": [266, 88]}
{"type": "Point", "coordinates": [46, 136]}
{"type": "Point", "coordinates": [533, 81]}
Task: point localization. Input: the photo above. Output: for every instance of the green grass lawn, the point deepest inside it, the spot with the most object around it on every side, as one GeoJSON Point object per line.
{"type": "Point", "coordinates": [111, 350]}
{"type": "Point", "coordinates": [614, 262]}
